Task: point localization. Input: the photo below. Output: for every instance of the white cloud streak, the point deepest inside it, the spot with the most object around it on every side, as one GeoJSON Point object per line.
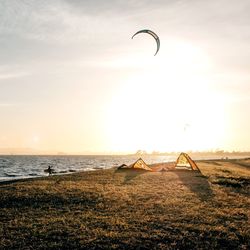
{"type": "Point", "coordinates": [6, 76]}
{"type": "Point", "coordinates": [6, 105]}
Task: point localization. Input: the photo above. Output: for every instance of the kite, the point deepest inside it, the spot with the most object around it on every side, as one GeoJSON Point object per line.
{"type": "Point", "coordinates": [150, 32]}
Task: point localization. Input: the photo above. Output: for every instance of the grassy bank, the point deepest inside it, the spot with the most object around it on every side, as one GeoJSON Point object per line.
{"type": "Point", "coordinates": [123, 209]}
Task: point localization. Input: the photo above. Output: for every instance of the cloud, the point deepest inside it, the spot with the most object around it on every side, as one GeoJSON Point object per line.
{"type": "Point", "coordinates": [32, 20]}
{"type": "Point", "coordinates": [64, 21]}
{"type": "Point", "coordinates": [12, 72]}
{"type": "Point", "coordinates": [4, 105]}
{"type": "Point", "coordinates": [64, 30]}
{"type": "Point", "coordinates": [67, 20]}
{"type": "Point", "coordinates": [4, 76]}
{"type": "Point", "coordinates": [56, 21]}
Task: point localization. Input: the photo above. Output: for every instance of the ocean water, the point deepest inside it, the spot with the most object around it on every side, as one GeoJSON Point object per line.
{"type": "Point", "coordinates": [14, 167]}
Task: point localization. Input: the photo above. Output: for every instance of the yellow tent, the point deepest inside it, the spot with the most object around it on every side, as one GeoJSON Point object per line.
{"type": "Point", "coordinates": [185, 162]}
{"type": "Point", "coordinates": [139, 164]}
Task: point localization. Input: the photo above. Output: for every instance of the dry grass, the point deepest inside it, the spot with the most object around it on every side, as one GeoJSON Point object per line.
{"type": "Point", "coordinates": [112, 209]}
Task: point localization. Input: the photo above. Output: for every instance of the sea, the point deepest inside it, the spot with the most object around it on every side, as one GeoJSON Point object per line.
{"type": "Point", "coordinates": [13, 167]}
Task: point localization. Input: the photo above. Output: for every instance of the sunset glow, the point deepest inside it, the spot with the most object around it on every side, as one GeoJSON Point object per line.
{"type": "Point", "coordinates": [151, 108]}
{"type": "Point", "coordinates": [75, 82]}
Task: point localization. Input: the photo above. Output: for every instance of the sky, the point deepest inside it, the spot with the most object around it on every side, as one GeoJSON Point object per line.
{"type": "Point", "coordinates": [72, 80]}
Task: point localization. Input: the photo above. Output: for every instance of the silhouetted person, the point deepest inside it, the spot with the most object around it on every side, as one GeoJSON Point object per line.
{"type": "Point", "coordinates": [49, 170]}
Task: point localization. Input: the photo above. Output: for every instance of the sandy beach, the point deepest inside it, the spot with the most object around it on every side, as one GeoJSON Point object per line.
{"type": "Point", "coordinates": [127, 209]}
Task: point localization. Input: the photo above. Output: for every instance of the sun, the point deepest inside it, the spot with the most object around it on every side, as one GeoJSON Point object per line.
{"type": "Point", "coordinates": [151, 109]}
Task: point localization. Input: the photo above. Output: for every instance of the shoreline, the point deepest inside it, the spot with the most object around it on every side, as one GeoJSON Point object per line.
{"type": "Point", "coordinates": [5, 182]}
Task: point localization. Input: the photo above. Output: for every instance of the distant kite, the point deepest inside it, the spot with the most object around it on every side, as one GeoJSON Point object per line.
{"type": "Point", "coordinates": [150, 32]}
{"type": "Point", "coordinates": [186, 127]}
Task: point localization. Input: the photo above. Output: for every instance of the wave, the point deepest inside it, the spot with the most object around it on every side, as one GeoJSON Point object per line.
{"type": "Point", "coordinates": [11, 175]}
{"type": "Point", "coordinates": [33, 174]}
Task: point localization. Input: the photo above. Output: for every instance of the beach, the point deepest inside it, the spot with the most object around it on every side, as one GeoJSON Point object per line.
{"type": "Point", "coordinates": [112, 209]}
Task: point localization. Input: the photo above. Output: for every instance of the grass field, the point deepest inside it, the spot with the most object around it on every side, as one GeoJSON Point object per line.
{"type": "Point", "coordinates": [112, 209]}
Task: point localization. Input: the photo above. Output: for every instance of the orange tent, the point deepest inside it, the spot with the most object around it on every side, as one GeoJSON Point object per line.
{"type": "Point", "coordinates": [139, 164]}
{"type": "Point", "coordinates": [185, 162]}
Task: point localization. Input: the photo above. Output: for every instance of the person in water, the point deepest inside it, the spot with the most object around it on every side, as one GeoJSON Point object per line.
{"type": "Point", "coordinates": [50, 170]}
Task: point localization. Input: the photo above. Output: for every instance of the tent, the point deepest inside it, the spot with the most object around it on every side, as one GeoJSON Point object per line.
{"type": "Point", "coordinates": [139, 164]}
{"type": "Point", "coordinates": [185, 162]}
